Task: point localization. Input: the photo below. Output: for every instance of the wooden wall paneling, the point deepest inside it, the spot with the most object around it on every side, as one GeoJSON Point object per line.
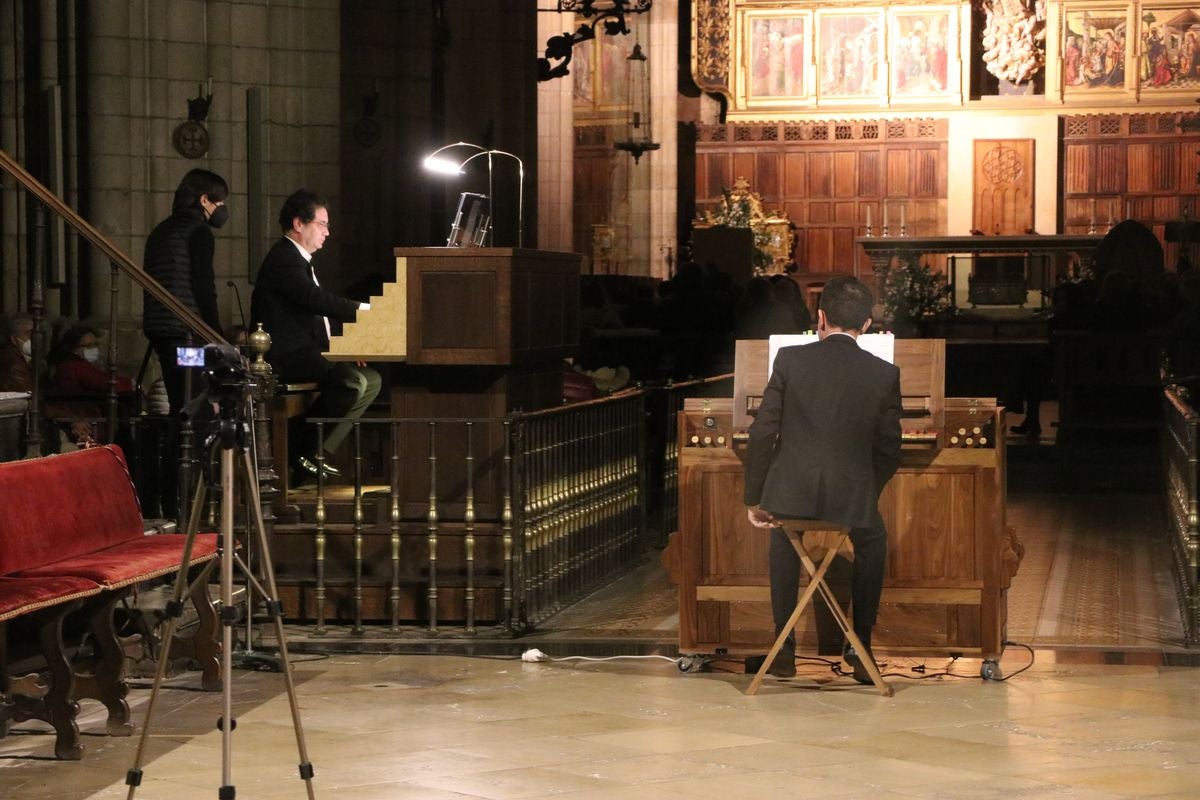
{"type": "Point", "coordinates": [1189, 173]}
{"type": "Point", "coordinates": [899, 161]}
{"type": "Point", "coordinates": [795, 176]}
{"type": "Point", "coordinates": [719, 175]}
{"type": "Point", "coordinates": [743, 167]}
{"type": "Point", "coordinates": [1077, 159]}
{"type": "Point", "coordinates": [1167, 207]}
{"type": "Point", "coordinates": [1165, 172]}
{"type": "Point", "coordinates": [767, 179]}
{"type": "Point", "coordinates": [820, 178]}
{"type": "Point", "coordinates": [820, 213]}
{"type": "Point", "coordinates": [844, 250]}
{"type": "Point", "coordinates": [927, 172]}
{"type": "Point", "coordinates": [845, 183]}
{"type": "Point", "coordinates": [1139, 157]}
{"type": "Point", "coordinates": [1108, 169]}
{"type": "Point", "coordinates": [819, 250]}
{"type": "Point", "coordinates": [844, 212]}
{"type": "Point", "coordinates": [868, 175]}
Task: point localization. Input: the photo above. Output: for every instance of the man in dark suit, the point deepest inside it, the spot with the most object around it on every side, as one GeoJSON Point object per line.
{"type": "Point", "coordinates": [824, 443]}
{"type": "Point", "coordinates": [295, 310]}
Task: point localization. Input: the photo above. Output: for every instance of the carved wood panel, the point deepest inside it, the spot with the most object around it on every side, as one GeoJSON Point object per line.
{"type": "Point", "coordinates": [1140, 166]}
{"type": "Point", "coordinates": [830, 179]}
{"type": "Point", "coordinates": [1003, 186]}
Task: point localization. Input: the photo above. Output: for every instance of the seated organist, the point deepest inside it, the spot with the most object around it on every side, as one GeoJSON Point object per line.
{"type": "Point", "coordinates": [294, 309]}
{"type": "Point", "coordinates": [824, 443]}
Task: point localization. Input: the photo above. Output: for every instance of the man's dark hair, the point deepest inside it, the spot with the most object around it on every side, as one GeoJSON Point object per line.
{"type": "Point", "coordinates": [198, 182]}
{"type": "Point", "coordinates": [847, 302]}
{"type": "Point", "coordinates": [303, 204]}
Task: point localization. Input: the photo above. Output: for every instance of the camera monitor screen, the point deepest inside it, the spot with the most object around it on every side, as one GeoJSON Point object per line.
{"type": "Point", "coordinates": [472, 221]}
{"type": "Point", "coordinates": [189, 356]}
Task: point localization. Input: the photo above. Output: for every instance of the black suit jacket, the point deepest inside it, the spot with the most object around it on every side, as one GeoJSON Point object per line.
{"type": "Point", "coordinates": [826, 438]}
{"type": "Point", "coordinates": [291, 306]}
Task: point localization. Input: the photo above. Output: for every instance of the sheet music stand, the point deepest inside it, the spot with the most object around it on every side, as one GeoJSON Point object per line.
{"type": "Point", "coordinates": [795, 530]}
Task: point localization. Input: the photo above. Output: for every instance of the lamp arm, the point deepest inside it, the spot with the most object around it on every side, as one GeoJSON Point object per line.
{"type": "Point", "coordinates": [520, 185]}
{"type": "Point", "coordinates": [456, 144]}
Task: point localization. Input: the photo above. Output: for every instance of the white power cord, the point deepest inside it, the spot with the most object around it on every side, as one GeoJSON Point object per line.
{"type": "Point", "coordinates": [533, 654]}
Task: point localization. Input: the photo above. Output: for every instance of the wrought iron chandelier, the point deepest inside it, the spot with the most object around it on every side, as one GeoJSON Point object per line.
{"type": "Point", "coordinates": [609, 12]}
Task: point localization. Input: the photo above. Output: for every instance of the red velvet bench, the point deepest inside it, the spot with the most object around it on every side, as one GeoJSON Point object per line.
{"type": "Point", "coordinates": [72, 539]}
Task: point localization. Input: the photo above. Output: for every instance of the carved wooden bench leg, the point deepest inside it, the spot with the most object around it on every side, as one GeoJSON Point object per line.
{"type": "Point", "coordinates": [106, 680]}
{"type": "Point", "coordinates": [59, 709]}
{"type": "Point", "coordinates": [206, 639]}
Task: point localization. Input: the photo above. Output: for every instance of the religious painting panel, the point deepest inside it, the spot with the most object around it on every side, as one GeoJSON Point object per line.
{"type": "Point", "coordinates": [1169, 59]}
{"type": "Point", "coordinates": [1094, 48]}
{"type": "Point", "coordinates": [775, 54]}
{"type": "Point", "coordinates": [849, 55]}
{"type": "Point", "coordinates": [923, 56]}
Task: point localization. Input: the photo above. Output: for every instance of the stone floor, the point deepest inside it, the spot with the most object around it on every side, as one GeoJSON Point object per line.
{"type": "Point", "coordinates": [441, 727]}
{"type": "Point", "coordinates": [1105, 709]}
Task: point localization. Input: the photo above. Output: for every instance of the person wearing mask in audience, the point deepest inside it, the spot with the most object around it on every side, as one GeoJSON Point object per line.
{"type": "Point", "coordinates": [16, 355]}
{"type": "Point", "coordinates": [293, 308]}
{"type": "Point", "coordinates": [78, 368]}
{"type": "Point", "coordinates": [179, 255]}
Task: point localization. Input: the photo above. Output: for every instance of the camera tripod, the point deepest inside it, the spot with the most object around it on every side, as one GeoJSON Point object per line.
{"type": "Point", "coordinates": [232, 440]}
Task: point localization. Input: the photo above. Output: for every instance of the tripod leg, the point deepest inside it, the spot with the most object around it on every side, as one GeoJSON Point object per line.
{"type": "Point", "coordinates": [228, 620]}
{"type": "Point", "coordinates": [275, 610]}
{"type": "Point", "coordinates": [133, 778]}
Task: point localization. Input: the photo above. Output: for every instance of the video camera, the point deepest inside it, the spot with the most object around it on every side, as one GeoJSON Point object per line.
{"type": "Point", "coordinates": [225, 369]}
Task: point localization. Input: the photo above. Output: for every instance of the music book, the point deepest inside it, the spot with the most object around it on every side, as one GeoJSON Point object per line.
{"type": "Point", "coordinates": [882, 345]}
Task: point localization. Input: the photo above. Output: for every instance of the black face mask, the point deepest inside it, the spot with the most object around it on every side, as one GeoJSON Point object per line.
{"type": "Point", "coordinates": [218, 217]}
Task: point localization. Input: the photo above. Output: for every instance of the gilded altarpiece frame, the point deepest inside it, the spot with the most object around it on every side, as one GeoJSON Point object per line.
{"type": "Point", "coordinates": [924, 54]}
{"type": "Point", "coordinates": [807, 56]}
{"type": "Point", "coordinates": [1169, 49]}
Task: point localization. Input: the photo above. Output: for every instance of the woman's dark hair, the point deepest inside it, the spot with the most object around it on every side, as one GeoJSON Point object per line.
{"type": "Point", "coordinates": [66, 344]}
{"type": "Point", "coordinates": [196, 183]}
{"type": "Point", "coordinates": [846, 302]}
{"type": "Point", "coordinates": [303, 204]}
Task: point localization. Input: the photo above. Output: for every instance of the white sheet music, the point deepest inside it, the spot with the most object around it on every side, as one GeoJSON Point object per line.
{"type": "Point", "coordinates": [878, 344]}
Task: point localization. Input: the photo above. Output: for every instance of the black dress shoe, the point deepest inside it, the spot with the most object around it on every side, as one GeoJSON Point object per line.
{"type": "Point", "coordinates": [857, 666]}
{"type": "Point", "coordinates": [784, 665]}
{"type": "Point", "coordinates": [310, 466]}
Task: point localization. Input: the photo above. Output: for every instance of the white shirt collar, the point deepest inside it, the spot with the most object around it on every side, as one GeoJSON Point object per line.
{"type": "Point", "coordinates": [307, 255]}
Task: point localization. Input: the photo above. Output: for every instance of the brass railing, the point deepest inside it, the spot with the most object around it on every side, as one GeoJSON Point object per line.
{"type": "Point", "coordinates": [1180, 442]}
{"type": "Point", "coordinates": [521, 515]}
{"type": "Point", "coordinates": [580, 484]}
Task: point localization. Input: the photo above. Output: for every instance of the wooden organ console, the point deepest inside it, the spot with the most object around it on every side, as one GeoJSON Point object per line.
{"type": "Point", "coordinates": [951, 555]}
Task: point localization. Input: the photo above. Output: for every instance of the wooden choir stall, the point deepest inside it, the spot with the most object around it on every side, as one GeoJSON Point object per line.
{"type": "Point", "coordinates": [951, 554]}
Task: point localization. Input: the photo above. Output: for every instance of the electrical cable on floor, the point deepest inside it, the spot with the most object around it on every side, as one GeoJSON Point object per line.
{"type": "Point", "coordinates": [1032, 658]}
{"type": "Point", "coordinates": [533, 655]}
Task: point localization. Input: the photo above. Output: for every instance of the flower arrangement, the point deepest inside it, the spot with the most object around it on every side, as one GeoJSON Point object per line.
{"type": "Point", "coordinates": [914, 291]}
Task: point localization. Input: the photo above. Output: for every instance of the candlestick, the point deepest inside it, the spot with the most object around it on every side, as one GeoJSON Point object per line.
{"type": "Point", "coordinates": [885, 219]}
{"type": "Point", "coordinates": [902, 220]}
{"type": "Point", "coordinates": [868, 217]}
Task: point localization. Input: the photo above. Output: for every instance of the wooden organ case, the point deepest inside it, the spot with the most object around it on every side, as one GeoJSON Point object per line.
{"type": "Point", "coordinates": [951, 555]}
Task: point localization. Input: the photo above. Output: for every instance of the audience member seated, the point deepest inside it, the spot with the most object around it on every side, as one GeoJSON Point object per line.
{"type": "Point", "coordinates": [761, 314]}
{"type": "Point", "coordinates": [16, 375]}
{"type": "Point", "coordinates": [78, 377]}
{"type": "Point", "coordinates": [787, 291]}
{"type": "Point", "coordinates": [1119, 304]}
{"type": "Point", "coordinates": [16, 353]}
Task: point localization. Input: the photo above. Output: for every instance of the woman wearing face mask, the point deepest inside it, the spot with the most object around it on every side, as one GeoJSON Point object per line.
{"type": "Point", "coordinates": [179, 255]}
{"type": "Point", "coordinates": [78, 369]}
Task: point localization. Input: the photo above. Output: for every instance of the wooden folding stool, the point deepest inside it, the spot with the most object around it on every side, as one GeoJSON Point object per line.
{"type": "Point", "coordinates": [795, 530]}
